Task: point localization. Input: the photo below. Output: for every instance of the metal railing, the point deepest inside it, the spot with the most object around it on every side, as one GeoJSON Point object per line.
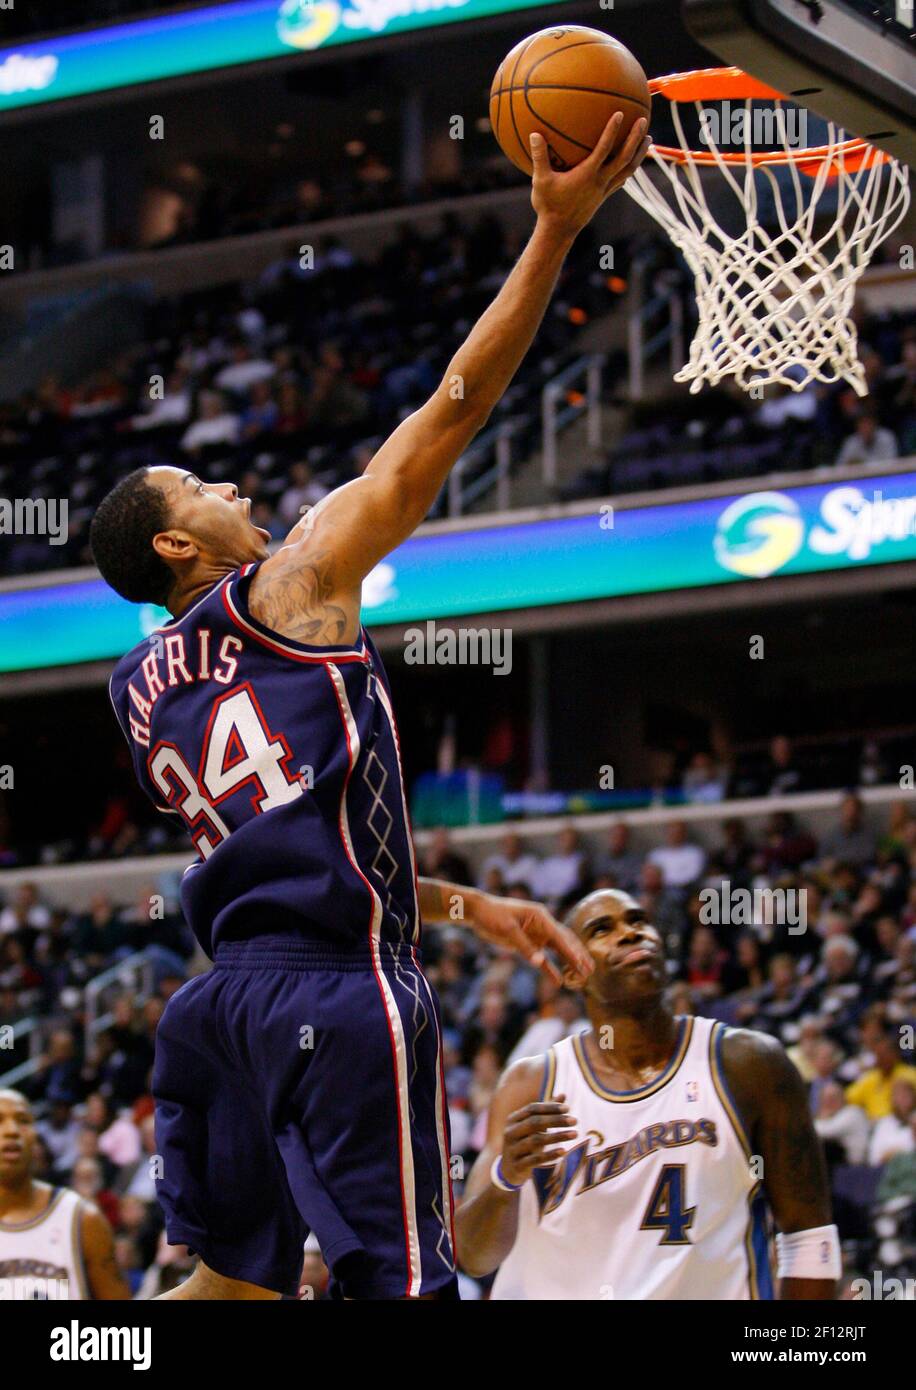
{"type": "Point", "coordinates": [468, 480]}
{"type": "Point", "coordinates": [654, 324]}
{"type": "Point", "coordinates": [140, 965]}
{"type": "Point", "coordinates": [471, 478]}
{"type": "Point", "coordinates": [558, 411]}
{"type": "Point", "coordinates": [133, 972]}
{"type": "Point", "coordinates": [29, 1027]}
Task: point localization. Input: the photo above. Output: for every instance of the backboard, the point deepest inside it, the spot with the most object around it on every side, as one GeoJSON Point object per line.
{"type": "Point", "coordinates": [851, 61]}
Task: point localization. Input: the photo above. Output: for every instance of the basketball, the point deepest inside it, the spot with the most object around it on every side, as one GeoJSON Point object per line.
{"type": "Point", "coordinates": [567, 83]}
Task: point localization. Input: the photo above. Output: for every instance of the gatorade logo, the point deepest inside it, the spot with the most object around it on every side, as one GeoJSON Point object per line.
{"type": "Point", "coordinates": [759, 534]}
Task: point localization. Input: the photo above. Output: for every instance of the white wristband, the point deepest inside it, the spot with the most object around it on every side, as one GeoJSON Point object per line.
{"type": "Point", "coordinates": [497, 1179]}
{"type": "Point", "coordinates": [813, 1254]}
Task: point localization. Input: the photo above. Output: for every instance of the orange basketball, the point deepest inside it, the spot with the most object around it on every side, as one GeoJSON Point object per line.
{"type": "Point", "coordinates": [567, 83]}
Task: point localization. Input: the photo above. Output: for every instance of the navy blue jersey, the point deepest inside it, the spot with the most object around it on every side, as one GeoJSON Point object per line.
{"type": "Point", "coordinates": [283, 761]}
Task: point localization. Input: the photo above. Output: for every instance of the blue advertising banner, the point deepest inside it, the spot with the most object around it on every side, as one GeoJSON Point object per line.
{"type": "Point", "coordinates": [211, 37]}
{"type": "Point", "coordinates": [739, 538]}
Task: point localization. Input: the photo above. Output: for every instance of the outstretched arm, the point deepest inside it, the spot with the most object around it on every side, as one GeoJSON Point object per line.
{"type": "Point", "coordinates": [521, 926]}
{"type": "Point", "coordinates": [772, 1101]}
{"type": "Point", "coordinates": [326, 557]}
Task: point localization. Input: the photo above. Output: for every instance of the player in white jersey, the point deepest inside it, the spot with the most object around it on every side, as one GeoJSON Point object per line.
{"type": "Point", "coordinates": [637, 1160]}
{"type": "Point", "coordinates": [53, 1244]}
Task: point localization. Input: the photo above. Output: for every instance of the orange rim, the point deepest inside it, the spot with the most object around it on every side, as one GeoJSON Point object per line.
{"type": "Point", "coordinates": [724, 84]}
{"type": "Point", "coordinates": [712, 84]}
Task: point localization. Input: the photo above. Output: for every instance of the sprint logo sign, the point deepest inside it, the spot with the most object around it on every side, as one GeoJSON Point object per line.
{"type": "Point", "coordinates": [759, 534]}
{"type": "Point", "coordinates": [23, 72]}
{"type": "Point", "coordinates": [307, 23]}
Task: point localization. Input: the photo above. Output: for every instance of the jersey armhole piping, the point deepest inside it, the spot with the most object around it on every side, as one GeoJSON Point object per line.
{"type": "Point", "coordinates": [717, 1072]}
{"type": "Point", "coordinates": [548, 1080]}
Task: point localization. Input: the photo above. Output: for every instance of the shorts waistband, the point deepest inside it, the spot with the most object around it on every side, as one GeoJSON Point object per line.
{"type": "Point", "coordinates": [294, 953]}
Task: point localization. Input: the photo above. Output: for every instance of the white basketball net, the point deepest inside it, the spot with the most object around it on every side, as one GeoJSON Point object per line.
{"type": "Point", "coordinates": [778, 298]}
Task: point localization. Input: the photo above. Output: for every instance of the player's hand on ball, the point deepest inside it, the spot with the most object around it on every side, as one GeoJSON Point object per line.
{"type": "Point", "coordinates": [534, 1137]}
{"type": "Point", "coordinates": [567, 201]}
{"type": "Point", "coordinates": [529, 929]}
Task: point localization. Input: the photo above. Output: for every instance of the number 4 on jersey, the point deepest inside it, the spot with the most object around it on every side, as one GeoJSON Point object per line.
{"type": "Point", "coordinates": [239, 748]}
{"type": "Point", "coordinates": [667, 1210]}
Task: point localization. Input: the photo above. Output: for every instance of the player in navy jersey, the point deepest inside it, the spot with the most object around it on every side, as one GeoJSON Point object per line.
{"type": "Point", "coordinates": [298, 1084]}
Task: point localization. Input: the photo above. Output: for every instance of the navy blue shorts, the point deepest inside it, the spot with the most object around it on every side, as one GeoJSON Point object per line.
{"type": "Point", "coordinates": [299, 1088]}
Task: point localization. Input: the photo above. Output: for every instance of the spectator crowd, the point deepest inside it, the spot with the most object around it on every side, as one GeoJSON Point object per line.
{"type": "Point", "coordinates": [284, 385]}
{"type": "Point", "coordinates": [118, 822]}
{"type": "Point", "coordinates": [720, 434]}
{"type": "Point", "coordinates": [836, 983]}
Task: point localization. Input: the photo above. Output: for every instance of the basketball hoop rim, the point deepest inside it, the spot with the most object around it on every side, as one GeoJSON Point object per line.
{"type": "Point", "coordinates": [724, 84]}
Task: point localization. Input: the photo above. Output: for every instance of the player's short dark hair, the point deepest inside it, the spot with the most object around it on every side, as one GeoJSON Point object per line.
{"type": "Point", "coordinates": [121, 539]}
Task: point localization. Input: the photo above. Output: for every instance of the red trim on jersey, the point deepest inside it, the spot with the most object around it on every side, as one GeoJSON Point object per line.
{"type": "Point", "coordinates": [375, 971]}
{"type": "Point", "coordinates": [261, 793]}
{"type": "Point", "coordinates": [176, 622]}
{"type": "Point", "coordinates": [234, 753]}
{"type": "Point", "coordinates": [277, 645]}
{"type": "Point", "coordinates": [176, 803]}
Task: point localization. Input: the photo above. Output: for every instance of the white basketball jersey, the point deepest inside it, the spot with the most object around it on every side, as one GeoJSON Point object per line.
{"type": "Point", "coordinates": [42, 1258]}
{"type": "Point", "coordinates": [657, 1198]}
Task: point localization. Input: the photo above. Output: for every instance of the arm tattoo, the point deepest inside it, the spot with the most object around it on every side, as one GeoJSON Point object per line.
{"type": "Point", "coordinates": [296, 602]}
